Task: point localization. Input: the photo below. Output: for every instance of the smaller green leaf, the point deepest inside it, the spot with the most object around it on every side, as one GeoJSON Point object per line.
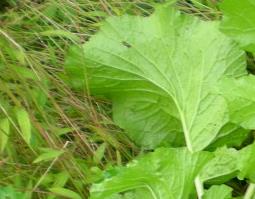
{"type": "Point", "coordinates": [61, 179]}
{"type": "Point", "coordinates": [61, 33]}
{"type": "Point", "coordinates": [28, 193]}
{"type": "Point", "coordinates": [24, 124]}
{"type": "Point", "coordinates": [10, 193]}
{"type": "Point", "coordinates": [246, 163]}
{"type": "Point", "coordinates": [230, 163]}
{"type": "Point", "coordinates": [222, 167]}
{"type": "Point", "coordinates": [65, 192]}
{"type": "Point", "coordinates": [240, 96]}
{"type": "Point", "coordinates": [40, 97]}
{"type": "Point", "coordinates": [202, 4]}
{"type": "Point", "coordinates": [231, 135]}
{"type": "Point", "coordinates": [96, 13]}
{"type": "Point", "coordinates": [99, 153]}
{"type": "Point", "coordinates": [4, 133]}
{"type": "Point", "coordinates": [218, 192]}
{"type": "Point", "coordinates": [15, 52]}
{"type": "Point", "coordinates": [24, 72]}
{"type": "Point", "coordinates": [63, 131]}
{"type": "Point", "coordinates": [48, 154]}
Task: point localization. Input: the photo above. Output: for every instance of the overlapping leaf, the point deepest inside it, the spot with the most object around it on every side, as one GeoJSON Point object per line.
{"type": "Point", "coordinates": [219, 192]}
{"type": "Point", "coordinates": [239, 22]}
{"type": "Point", "coordinates": [231, 135]}
{"type": "Point", "coordinates": [165, 173]}
{"type": "Point", "coordinates": [230, 163]}
{"type": "Point", "coordinates": [240, 96]}
{"type": "Point", "coordinates": [162, 68]}
{"type": "Point", "coordinates": [222, 167]}
{"type": "Point", "coordinates": [170, 173]}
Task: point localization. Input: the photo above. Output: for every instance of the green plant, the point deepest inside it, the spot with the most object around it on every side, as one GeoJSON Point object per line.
{"type": "Point", "coordinates": [173, 80]}
{"type": "Point", "coordinates": [176, 123]}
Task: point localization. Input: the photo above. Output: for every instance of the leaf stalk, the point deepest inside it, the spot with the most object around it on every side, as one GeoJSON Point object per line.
{"type": "Point", "coordinates": [250, 191]}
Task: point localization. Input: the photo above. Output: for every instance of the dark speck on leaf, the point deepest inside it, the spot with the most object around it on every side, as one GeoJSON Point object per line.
{"type": "Point", "coordinates": [126, 44]}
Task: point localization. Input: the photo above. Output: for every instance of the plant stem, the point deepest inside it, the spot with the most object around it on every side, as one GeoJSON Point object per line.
{"type": "Point", "coordinates": [199, 187]}
{"type": "Point", "coordinates": [198, 184]}
{"type": "Point", "coordinates": [250, 191]}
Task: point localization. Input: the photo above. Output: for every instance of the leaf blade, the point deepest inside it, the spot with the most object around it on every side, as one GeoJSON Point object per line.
{"type": "Point", "coordinates": [152, 55]}
{"type": "Point", "coordinates": [24, 124]}
{"type": "Point", "coordinates": [4, 133]}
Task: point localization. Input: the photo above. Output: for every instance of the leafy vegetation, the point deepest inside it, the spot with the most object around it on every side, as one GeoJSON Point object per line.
{"type": "Point", "coordinates": [127, 99]}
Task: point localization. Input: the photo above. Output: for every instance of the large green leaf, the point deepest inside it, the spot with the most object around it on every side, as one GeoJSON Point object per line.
{"type": "Point", "coordinates": [166, 173]}
{"type": "Point", "coordinates": [239, 22]}
{"type": "Point", "coordinates": [167, 64]}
